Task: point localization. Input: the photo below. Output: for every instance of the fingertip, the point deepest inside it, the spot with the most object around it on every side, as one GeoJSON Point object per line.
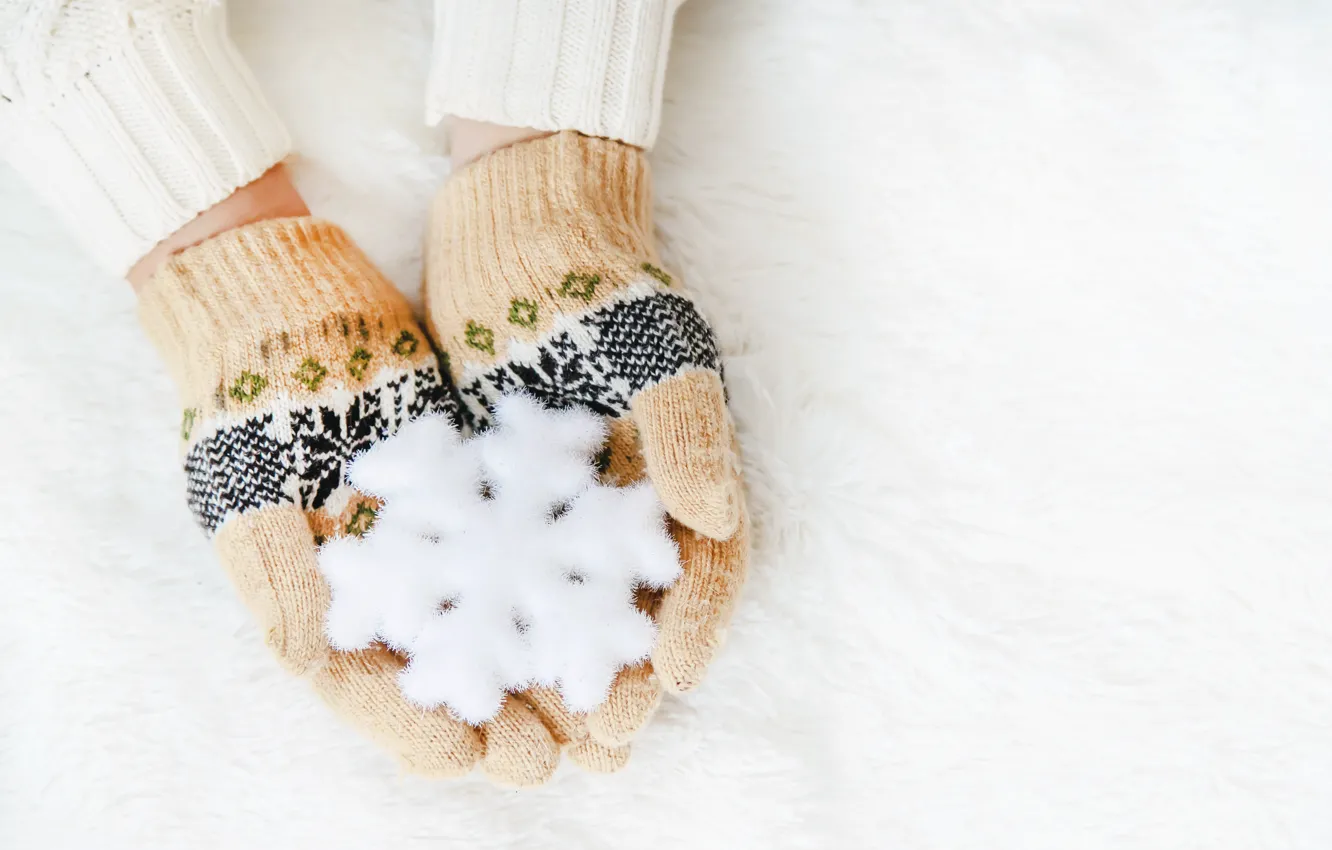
{"type": "Point", "coordinates": [711, 511]}
{"type": "Point", "coordinates": [362, 687]}
{"type": "Point", "coordinates": [682, 671]}
{"type": "Point", "coordinates": [564, 725]}
{"type": "Point", "coordinates": [269, 555]}
{"type": "Point", "coordinates": [595, 757]}
{"type": "Point", "coordinates": [695, 611]}
{"type": "Point", "coordinates": [300, 652]}
{"type": "Point", "coordinates": [633, 700]}
{"type": "Point", "coordinates": [519, 750]}
{"type": "Point", "coordinates": [689, 452]}
{"type": "Point", "coordinates": [448, 762]}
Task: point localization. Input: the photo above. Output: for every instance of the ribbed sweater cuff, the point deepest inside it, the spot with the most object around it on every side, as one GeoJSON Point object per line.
{"type": "Point", "coordinates": [595, 66]}
{"type": "Point", "coordinates": [164, 121]}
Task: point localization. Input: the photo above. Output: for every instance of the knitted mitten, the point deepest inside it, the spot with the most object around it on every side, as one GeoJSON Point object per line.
{"type": "Point", "coordinates": [542, 276]}
{"type": "Point", "coordinates": [292, 353]}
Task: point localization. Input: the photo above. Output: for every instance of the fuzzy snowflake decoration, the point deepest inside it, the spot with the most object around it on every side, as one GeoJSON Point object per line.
{"type": "Point", "coordinates": [499, 562]}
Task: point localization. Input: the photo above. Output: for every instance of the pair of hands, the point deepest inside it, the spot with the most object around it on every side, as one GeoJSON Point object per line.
{"type": "Point", "coordinates": [541, 276]}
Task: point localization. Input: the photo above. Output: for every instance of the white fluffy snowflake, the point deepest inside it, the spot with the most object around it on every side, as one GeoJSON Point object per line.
{"type": "Point", "coordinates": [499, 562]}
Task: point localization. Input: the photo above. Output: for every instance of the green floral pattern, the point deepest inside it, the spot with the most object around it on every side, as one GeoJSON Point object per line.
{"type": "Point", "coordinates": [522, 313]}
{"type": "Point", "coordinates": [362, 520]}
{"type": "Point", "coordinates": [311, 373]}
{"type": "Point", "coordinates": [248, 387]}
{"type": "Point", "coordinates": [406, 344]}
{"type": "Point", "coordinates": [580, 285]}
{"type": "Point", "coordinates": [480, 337]}
{"type": "Point", "coordinates": [358, 363]}
{"type": "Point", "coordinates": [658, 273]}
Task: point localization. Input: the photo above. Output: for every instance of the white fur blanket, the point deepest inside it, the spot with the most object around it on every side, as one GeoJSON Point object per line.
{"type": "Point", "coordinates": [1028, 314]}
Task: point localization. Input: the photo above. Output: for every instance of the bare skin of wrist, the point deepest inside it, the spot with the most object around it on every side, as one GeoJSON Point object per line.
{"type": "Point", "coordinates": [271, 196]}
{"type": "Point", "coordinates": [274, 196]}
{"type": "Point", "coordinates": [474, 139]}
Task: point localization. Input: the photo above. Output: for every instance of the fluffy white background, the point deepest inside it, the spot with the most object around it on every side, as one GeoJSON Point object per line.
{"type": "Point", "coordinates": [1030, 323]}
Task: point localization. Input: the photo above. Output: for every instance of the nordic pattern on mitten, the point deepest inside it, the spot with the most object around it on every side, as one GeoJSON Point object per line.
{"type": "Point", "coordinates": [292, 354]}
{"type": "Point", "coordinates": [604, 357]}
{"type": "Point", "coordinates": [299, 455]}
{"type": "Point", "coordinates": [542, 275]}
{"type": "Point", "coordinates": [282, 381]}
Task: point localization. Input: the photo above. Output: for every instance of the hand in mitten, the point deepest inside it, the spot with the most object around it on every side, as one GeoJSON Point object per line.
{"type": "Point", "coordinates": [542, 276]}
{"type": "Point", "coordinates": [292, 353]}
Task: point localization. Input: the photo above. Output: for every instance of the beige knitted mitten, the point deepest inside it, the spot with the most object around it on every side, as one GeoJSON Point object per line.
{"type": "Point", "coordinates": [542, 275]}
{"type": "Point", "coordinates": [293, 353]}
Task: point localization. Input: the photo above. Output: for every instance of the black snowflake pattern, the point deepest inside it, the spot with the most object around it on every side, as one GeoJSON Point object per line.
{"type": "Point", "coordinates": [245, 467]}
{"type": "Point", "coordinates": [635, 344]}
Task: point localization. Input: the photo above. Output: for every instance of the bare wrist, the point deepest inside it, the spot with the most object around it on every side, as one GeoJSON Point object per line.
{"type": "Point", "coordinates": [271, 196]}
{"type": "Point", "coordinates": [471, 140]}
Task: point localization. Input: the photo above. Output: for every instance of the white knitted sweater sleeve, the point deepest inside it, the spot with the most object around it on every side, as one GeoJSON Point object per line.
{"type": "Point", "coordinates": [130, 117]}
{"type": "Point", "coordinates": [596, 66]}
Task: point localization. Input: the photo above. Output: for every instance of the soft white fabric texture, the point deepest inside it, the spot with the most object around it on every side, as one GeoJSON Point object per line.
{"type": "Point", "coordinates": [538, 574]}
{"type": "Point", "coordinates": [131, 117]}
{"type": "Point", "coordinates": [1027, 308]}
{"type": "Point", "coordinates": [596, 66]}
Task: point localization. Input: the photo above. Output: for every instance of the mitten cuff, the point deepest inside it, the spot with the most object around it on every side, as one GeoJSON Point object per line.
{"type": "Point", "coordinates": [550, 205]}
{"type": "Point", "coordinates": [549, 227]}
{"type": "Point", "coordinates": [595, 66]}
{"type": "Point", "coordinates": [280, 308]}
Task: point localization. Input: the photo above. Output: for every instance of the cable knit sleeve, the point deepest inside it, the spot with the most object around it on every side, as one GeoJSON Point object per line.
{"type": "Point", "coordinates": [130, 117]}
{"type": "Point", "coordinates": [595, 66]}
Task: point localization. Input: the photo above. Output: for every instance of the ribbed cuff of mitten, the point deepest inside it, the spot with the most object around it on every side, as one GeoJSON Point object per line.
{"type": "Point", "coordinates": [542, 228]}
{"type": "Point", "coordinates": [149, 118]}
{"type": "Point", "coordinates": [280, 308]}
{"type": "Point", "coordinates": [558, 202]}
{"type": "Point", "coordinates": [595, 66]}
